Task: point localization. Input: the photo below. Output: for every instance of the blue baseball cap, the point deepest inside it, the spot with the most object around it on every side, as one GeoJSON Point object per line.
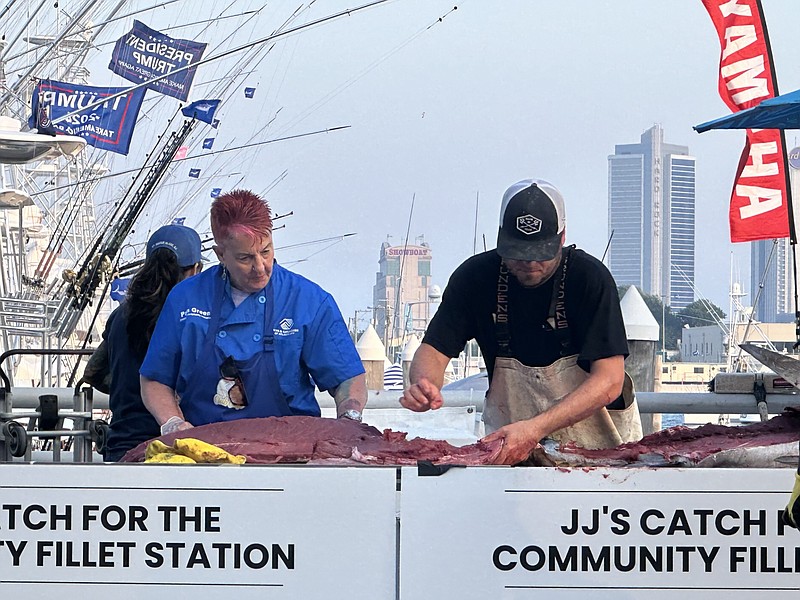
{"type": "Point", "coordinates": [184, 242]}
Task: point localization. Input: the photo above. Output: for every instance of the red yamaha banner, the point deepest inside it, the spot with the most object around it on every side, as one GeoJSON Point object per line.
{"type": "Point", "coordinates": [760, 200]}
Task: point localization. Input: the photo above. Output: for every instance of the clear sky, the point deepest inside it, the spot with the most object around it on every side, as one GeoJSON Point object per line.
{"type": "Point", "coordinates": [447, 112]}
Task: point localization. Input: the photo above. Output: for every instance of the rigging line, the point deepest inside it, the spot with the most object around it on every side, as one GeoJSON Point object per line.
{"type": "Point", "coordinates": [796, 305]}
{"type": "Point", "coordinates": [608, 245]}
{"type": "Point", "coordinates": [313, 254]}
{"type": "Point", "coordinates": [443, 17]}
{"type": "Point", "coordinates": [368, 69]}
{"type": "Point", "coordinates": [7, 8]}
{"type": "Point", "coordinates": [299, 28]}
{"type": "Point", "coordinates": [213, 20]}
{"type": "Point", "coordinates": [398, 291]}
{"type": "Point", "coordinates": [54, 44]}
{"type": "Point", "coordinates": [739, 358]}
{"type": "Point", "coordinates": [103, 23]}
{"type": "Point", "coordinates": [136, 170]}
{"type": "Point", "coordinates": [475, 226]}
{"type": "Point", "coordinates": [255, 58]}
{"type": "Point", "coordinates": [20, 33]}
{"type": "Point", "coordinates": [336, 238]}
{"type": "Point", "coordinates": [250, 57]}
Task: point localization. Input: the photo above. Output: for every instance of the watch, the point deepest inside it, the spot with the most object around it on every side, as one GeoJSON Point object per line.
{"type": "Point", "coordinates": [353, 415]}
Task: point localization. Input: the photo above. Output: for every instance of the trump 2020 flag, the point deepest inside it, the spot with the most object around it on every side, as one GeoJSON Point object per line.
{"type": "Point", "coordinates": [108, 126]}
{"type": "Point", "coordinates": [215, 192]}
{"type": "Point", "coordinates": [202, 110]}
{"type": "Point", "coordinates": [194, 173]}
{"type": "Point", "coordinates": [208, 143]}
{"type": "Point", "coordinates": [143, 54]}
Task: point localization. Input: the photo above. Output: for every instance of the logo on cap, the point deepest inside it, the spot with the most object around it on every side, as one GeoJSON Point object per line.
{"type": "Point", "coordinates": [528, 224]}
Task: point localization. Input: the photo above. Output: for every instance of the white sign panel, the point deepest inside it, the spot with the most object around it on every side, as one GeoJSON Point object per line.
{"type": "Point", "coordinates": [498, 532]}
{"type": "Point", "coordinates": [172, 531]}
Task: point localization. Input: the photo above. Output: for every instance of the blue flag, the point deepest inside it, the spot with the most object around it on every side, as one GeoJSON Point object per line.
{"type": "Point", "coordinates": [215, 123]}
{"type": "Point", "coordinates": [194, 173]}
{"type": "Point", "coordinates": [108, 126]}
{"type": "Point", "coordinates": [178, 221]}
{"type": "Point", "coordinates": [143, 54]}
{"type": "Point", "coordinates": [208, 143]}
{"type": "Point", "coordinates": [215, 192]}
{"type": "Point", "coordinates": [249, 92]}
{"type": "Point", "coordinates": [202, 110]}
{"type": "Point", "coordinates": [119, 289]}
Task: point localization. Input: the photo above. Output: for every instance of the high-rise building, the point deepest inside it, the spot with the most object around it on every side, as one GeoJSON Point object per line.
{"type": "Point", "coordinates": [651, 208]}
{"type": "Point", "coordinates": [771, 287]}
{"type": "Point", "coordinates": [771, 273]}
{"type": "Point", "coordinates": [401, 298]}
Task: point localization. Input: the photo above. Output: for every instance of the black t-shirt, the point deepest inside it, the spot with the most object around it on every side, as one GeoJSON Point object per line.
{"type": "Point", "coordinates": [596, 329]}
{"type": "Point", "coordinates": [131, 422]}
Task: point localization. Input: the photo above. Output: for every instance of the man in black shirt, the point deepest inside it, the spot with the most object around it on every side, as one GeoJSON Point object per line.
{"type": "Point", "coordinates": [549, 325]}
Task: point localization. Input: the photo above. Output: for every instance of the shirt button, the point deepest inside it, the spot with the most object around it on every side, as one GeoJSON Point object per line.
{"type": "Point", "coordinates": [222, 334]}
{"type": "Point", "coordinates": [256, 337]}
{"type": "Point", "coordinates": [262, 299]}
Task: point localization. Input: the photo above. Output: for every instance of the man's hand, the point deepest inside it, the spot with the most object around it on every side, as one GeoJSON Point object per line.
{"type": "Point", "coordinates": [422, 396]}
{"type": "Point", "coordinates": [519, 440]}
{"type": "Point", "coordinates": [791, 516]}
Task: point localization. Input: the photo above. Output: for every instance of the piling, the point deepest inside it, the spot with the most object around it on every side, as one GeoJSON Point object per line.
{"type": "Point", "coordinates": [373, 356]}
{"type": "Point", "coordinates": [641, 329]}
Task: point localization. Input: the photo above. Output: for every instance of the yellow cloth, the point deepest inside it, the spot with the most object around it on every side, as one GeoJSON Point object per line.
{"type": "Point", "coordinates": [792, 514]}
{"type": "Point", "coordinates": [189, 450]}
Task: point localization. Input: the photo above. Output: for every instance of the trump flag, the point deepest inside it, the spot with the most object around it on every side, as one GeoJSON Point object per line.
{"type": "Point", "coordinates": [143, 54]}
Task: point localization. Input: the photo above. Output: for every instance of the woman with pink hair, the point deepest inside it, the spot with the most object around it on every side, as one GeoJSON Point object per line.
{"type": "Point", "coordinates": [248, 338]}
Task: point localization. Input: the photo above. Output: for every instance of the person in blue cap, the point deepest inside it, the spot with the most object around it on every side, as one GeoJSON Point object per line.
{"type": "Point", "coordinates": [173, 254]}
{"type": "Point", "coordinates": [248, 338]}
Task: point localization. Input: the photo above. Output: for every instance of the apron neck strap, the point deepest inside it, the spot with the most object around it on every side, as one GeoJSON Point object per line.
{"type": "Point", "coordinates": [501, 313]}
{"type": "Point", "coordinates": [557, 315]}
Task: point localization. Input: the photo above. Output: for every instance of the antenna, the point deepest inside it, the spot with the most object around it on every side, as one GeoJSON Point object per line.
{"type": "Point", "coordinates": [608, 245]}
{"type": "Point", "coordinates": [475, 229]}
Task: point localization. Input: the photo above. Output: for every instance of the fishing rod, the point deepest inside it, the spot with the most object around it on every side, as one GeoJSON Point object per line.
{"type": "Point", "coordinates": [269, 38]}
{"type": "Point", "coordinates": [176, 160]}
{"type": "Point", "coordinates": [97, 263]}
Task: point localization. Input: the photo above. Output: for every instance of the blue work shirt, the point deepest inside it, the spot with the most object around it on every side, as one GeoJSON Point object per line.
{"type": "Point", "coordinates": [311, 339]}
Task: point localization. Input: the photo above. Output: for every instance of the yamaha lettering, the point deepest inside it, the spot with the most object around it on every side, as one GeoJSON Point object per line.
{"type": "Point", "coordinates": [758, 206]}
{"type": "Point", "coordinates": [144, 54]}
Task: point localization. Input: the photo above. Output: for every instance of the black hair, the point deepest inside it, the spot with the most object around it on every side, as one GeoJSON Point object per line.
{"type": "Point", "coordinates": [146, 295]}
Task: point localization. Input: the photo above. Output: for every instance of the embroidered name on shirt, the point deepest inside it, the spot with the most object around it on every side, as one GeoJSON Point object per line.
{"type": "Point", "coordinates": [285, 327]}
{"type": "Point", "coordinates": [195, 312]}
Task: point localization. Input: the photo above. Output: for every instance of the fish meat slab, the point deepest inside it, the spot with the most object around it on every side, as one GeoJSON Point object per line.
{"type": "Point", "coordinates": [316, 440]}
{"type": "Point", "coordinates": [755, 445]}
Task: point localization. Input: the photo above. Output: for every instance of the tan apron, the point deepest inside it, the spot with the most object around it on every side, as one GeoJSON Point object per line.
{"type": "Point", "coordinates": [518, 392]}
